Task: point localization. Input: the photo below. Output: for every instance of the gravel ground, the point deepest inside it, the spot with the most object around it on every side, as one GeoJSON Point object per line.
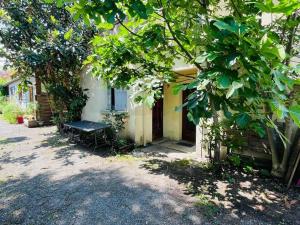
{"type": "Point", "coordinates": [44, 179]}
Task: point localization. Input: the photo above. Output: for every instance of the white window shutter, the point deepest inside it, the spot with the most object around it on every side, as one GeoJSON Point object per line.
{"type": "Point", "coordinates": [120, 100]}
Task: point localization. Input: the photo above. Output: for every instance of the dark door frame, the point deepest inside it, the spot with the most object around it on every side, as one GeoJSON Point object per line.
{"type": "Point", "coordinates": [158, 119]}
{"type": "Point", "coordinates": [188, 127]}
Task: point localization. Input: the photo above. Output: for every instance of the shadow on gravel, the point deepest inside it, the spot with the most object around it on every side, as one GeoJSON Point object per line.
{"type": "Point", "coordinates": [7, 158]}
{"type": "Point", "coordinates": [13, 140]}
{"type": "Point", "coordinates": [64, 149]}
{"type": "Point", "coordinates": [92, 197]}
{"type": "Point", "coordinates": [231, 192]}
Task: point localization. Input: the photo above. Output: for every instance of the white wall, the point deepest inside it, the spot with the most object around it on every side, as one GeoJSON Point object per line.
{"type": "Point", "coordinates": [97, 102]}
{"type": "Point", "coordinates": [25, 96]}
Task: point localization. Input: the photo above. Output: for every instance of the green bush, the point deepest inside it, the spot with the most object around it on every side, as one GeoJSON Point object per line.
{"type": "Point", "coordinates": [3, 103]}
{"type": "Point", "coordinates": [235, 160]}
{"type": "Point", "coordinates": [11, 111]}
{"type": "Point", "coordinates": [31, 108]}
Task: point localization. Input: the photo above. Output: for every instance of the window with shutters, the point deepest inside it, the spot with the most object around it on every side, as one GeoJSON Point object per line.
{"type": "Point", "coordinates": [12, 90]}
{"type": "Point", "coordinates": [117, 99]}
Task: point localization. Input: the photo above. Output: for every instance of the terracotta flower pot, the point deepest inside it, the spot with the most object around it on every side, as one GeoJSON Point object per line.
{"type": "Point", "coordinates": [20, 119]}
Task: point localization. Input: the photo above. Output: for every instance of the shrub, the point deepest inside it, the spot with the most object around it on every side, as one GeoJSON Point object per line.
{"type": "Point", "coordinates": [11, 111]}
{"type": "Point", "coordinates": [3, 103]}
{"type": "Point", "coordinates": [31, 108]}
{"type": "Point", "coordinates": [235, 160]}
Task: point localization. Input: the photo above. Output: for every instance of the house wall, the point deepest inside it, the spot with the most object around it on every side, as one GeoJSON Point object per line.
{"type": "Point", "coordinates": [140, 123]}
{"type": "Point", "coordinates": [14, 97]}
{"type": "Point", "coordinates": [97, 102]}
{"type": "Point", "coordinates": [172, 119]}
{"type": "Point", "coordinates": [137, 122]}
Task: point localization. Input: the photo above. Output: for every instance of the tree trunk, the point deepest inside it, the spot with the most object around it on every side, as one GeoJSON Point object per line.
{"type": "Point", "coordinates": [271, 140]}
{"type": "Point", "coordinates": [217, 146]}
{"type": "Point", "coordinates": [291, 131]}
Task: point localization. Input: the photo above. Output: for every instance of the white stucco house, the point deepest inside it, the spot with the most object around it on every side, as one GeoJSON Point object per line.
{"type": "Point", "coordinates": [144, 125]}
{"type": "Point", "coordinates": [22, 98]}
{"type": "Point", "coordinates": [34, 94]}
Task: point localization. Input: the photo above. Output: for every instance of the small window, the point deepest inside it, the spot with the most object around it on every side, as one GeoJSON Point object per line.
{"type": "Point", "coordinates": [117, 99]}
{"type": "Point", "coordinates": [12, 90]}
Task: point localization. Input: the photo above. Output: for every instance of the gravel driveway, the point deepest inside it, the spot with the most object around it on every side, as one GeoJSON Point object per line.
{"type": "Point", "coordinates": [46, 180]}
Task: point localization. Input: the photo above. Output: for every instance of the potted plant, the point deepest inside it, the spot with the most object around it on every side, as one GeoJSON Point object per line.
{"type": "Point", "coordinates": [20, 119]}
{"type": "Point", "coordinates": [30, 119]}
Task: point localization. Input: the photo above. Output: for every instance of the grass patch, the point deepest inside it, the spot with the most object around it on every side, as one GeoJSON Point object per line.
{"type": "Point", "coordinates": [122, 157]}
{"type": "Point", "coordinates": [189, 163]}
{"type": "Point", "coordinates": [208, 208]}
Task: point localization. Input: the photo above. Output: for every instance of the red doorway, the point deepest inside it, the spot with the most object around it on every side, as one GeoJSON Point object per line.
{"type": "Point", "coordinates": [157, 119]}
{"type": "Point", "coordinates": [188, 127]}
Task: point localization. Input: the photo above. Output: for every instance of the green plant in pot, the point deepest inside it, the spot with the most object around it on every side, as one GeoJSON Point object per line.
{"type": "Point", "coordinates": [11, 112]}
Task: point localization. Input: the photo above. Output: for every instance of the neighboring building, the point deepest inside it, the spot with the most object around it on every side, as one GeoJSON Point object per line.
{"type": "Point", "coordinates": [23, 99]}
{"type": "Point", "coordinates": [34, 94]}
{"type": "Point", "coordinates": [144, 125]}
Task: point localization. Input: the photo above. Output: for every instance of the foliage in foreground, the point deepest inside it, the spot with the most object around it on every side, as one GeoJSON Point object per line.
{"type": "Point", "coordinates": [245, 70]}
{"type": "Point", "coordinates": [2, 89]}
{"type": "Point", "coordinates": [43, 41]}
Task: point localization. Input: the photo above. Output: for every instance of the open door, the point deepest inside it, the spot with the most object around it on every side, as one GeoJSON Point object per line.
{"type": "Point", "coordinates": [157, 119]}
{"type": "Point", "coordinates": [188, 127]}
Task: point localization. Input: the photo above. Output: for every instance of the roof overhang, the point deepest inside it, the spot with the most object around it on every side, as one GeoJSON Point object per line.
{"type": "Point", "coordinates": [11, 81]}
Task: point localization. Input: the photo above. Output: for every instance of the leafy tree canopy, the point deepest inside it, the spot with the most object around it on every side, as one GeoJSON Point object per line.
{"type": "Point", "coordinates": [245, 69]}
{"type": "Point", "coordinates": [42, 40]}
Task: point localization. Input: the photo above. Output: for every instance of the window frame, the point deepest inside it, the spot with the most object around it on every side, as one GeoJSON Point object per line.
{"type": "Point", "coordinates": [112, 100]}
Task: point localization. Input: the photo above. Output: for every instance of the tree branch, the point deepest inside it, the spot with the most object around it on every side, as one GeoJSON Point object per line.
{"type": "Point", "coordinates": [130, 31]}
{"type": "Point", "coordinates": [236, 9]}
{"type": "Point", "coordinates": [187, 53]}
{"type": "Point", "coordinates": [291, 38]}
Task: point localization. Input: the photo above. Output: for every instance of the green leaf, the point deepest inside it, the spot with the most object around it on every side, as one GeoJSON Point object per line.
{"type": "Point", "coordinates": [275, 51]}
{"type": "Point", "coordinates": [178, 88]}
{"type": "Point", "coordinates": [224, 26]}
{"type": "Point", "coordinates": [277, 78]}
{"type": "Point", "coordinates": [295, 114]}
{"type": "Point", "coordinates": [209, 56]}
{"type": "Point", "coordinates": [53, 19]}
{"type": "Point", "coordinates": [60, 3]}
{"type": "Point", "coordinates": [284, 6]}
{"type": "Point", "coordinates": [68, 34]}
{"type": "Point", "coordinates": [279, 109]}
{"type": "Point", "coordinates": [232, 27]}
{"type": "Point", "coordinates": [223, 81]}
{"type": "Point", "coordinates": [242, 120]}
{"type": "Point", "coordinates": [202, 58]}
{"type": "Point", "coordinates": [281, 52]}
{"type": "Point", "coordinates": [234, 86]}
{"type": "Point", "coordinates": [259, 129]}
{"type": "Point", "coordinates": [111, 17]}
{"type": "Point", "coordinates": [105, 26]}
{"type": "Point", "coordinates": [179, 108]}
